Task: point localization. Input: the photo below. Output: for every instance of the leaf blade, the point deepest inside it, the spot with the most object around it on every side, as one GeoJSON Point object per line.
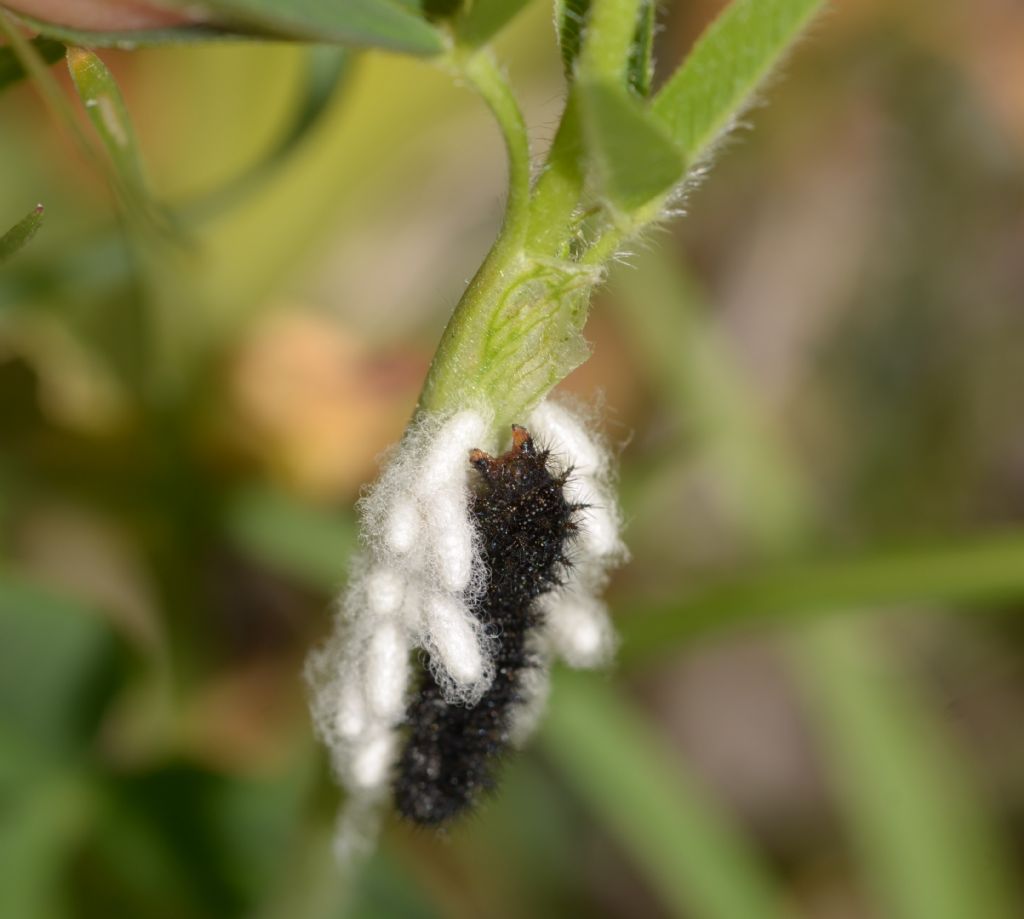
{"type": "Point", "coordinates": [730, 61]}
{"type": "Point", "coordinates": [20, 235]}
{"type": "Point", "coordinates": [51, 648]}
{"type": "Point", "coordinates": [379, 23]}
{"type": "Point", "coordinates": [634, 160]}
{"type": "Point", "coordinates": [366, 23]}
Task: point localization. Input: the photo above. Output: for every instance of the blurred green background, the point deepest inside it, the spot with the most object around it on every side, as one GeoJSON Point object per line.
{"type": "Point", "coordinates": [816, 378]}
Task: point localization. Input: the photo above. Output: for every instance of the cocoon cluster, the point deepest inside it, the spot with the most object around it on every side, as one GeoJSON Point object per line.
{"type": "Point", "coordinates": [424, 581]}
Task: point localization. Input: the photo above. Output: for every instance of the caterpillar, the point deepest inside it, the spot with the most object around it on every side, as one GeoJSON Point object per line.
{"type": "Point", "coordinates": [474, 577]}
{"type": "Point", "coordinates": [526, 526]}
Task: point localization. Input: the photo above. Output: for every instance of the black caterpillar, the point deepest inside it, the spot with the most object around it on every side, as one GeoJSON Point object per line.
{"type": "Point", "coordinates": [452, 751]}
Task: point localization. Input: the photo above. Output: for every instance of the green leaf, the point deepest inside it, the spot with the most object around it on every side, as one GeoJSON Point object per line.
{"type": "Point", "coordinates": [640, 69]}
{"type": "Point", "coordinates": [380, 23]}
{"type": "Point", "coordinates": [570, 17]}
{"type": "Point", "coordinates": [108, 113]}
{"type": "Point", "coordinates": [924, 840]}
{"type": "Point", "coordinates": [129, 40]}
{"type": "Point", "coordinates": [50, 652]}
{"type": "Point", "coordinates": [46, 811]}
{"type": "Point", "coordinates": [306, 542]}
{"type": "Point", "coordinates": [11, 70]}
{"type": "Point", "coordinates": [374, 23]}
{"type": "Point", "coordinates": [634, 160]}
{"type": "Point", "coordinates": [608, 40]}
{"type": "Point", "coordinates": [718, 80]}
{"type": "Point", "coordinates": [21, 233]}
{"type": "Point", "coordinates": [692, 855]}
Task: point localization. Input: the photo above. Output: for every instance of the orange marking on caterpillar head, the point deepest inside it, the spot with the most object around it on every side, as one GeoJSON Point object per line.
{"type": "Point", "coordinates": [489, 466]}
{"type": "Point", "coordinates": [521, 440]}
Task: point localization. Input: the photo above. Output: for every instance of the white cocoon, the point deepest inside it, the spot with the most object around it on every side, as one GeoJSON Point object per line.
{"type": "Point", "coordinates": [350, 718]}
{"type": "Point", "coordinates": [403, 526]}
{"type": "Point", "coordinates": [452, 636]}
{"type": "Point", "coordinates": [371, 763]}
{"type": "Point", "coordinates": [387, 671]}
{"type": "Point", "coordinates": [578, 629]}
{"type": "Point", "coordinates": [568, 439]}
{"type": "Point", "coordinates": [452, 540]}
{"type": "Point", "coordinates": [598, 527]}
{"type": "Point", "coordinates": [385, 590]}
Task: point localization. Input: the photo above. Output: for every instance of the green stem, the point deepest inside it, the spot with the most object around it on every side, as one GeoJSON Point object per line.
{"type": "Point", "coordinates": [608, 40]}
{"type": "Point", "coordinates": [483, 73]}
{"type": "Point", "coordinates": [559, 189]}
{"type": "Point", "coordinates": [605, 55]}
{"type": "Point", "coordinates": [516, 332]}
{"type": "Point", "coordinates": [459, 365]}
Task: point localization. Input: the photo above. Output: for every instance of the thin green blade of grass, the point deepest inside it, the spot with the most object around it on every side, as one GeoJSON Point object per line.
{"type": "Point", "coordinates": [697, 862]}
{"type": "Point", "coordinates": [104, 104]}
{"type": "Point", "coordinates": [158, 242]}
{"type": "Point", "coordinates": [20, 235]}
{"type": "Point", "coordinates": [108, 113]}
{"type": "Point", "coordinates": [720, 77]}
{"type": "Point", "coordinates": [986, 571]}
{"type": "Point", "coordinates": [118, 161]}
{"type": "Point", "coordinates": [925, 843]}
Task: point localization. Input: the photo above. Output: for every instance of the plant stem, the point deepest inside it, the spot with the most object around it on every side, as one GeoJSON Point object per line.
{"type": "Point", "coordinates": [516, 332]}
{"type": "Point", "coordinates": [608, 40]}
{"type": "Point", "coordinates": [559, 188]}
{"type": "Point", "coordinates": [485, 76]}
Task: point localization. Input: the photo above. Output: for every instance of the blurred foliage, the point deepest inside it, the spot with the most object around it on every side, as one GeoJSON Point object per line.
{"type": "Point", "coordinates": [21, 233]}
{"type": "Point", "coordinates": [816, 381]}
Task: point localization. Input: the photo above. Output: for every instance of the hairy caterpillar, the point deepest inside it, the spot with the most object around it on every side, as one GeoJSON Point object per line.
{"type": "Point", "coordinates": [526, 525]}
{"type": "Point", "coordinates": [458, 604]}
